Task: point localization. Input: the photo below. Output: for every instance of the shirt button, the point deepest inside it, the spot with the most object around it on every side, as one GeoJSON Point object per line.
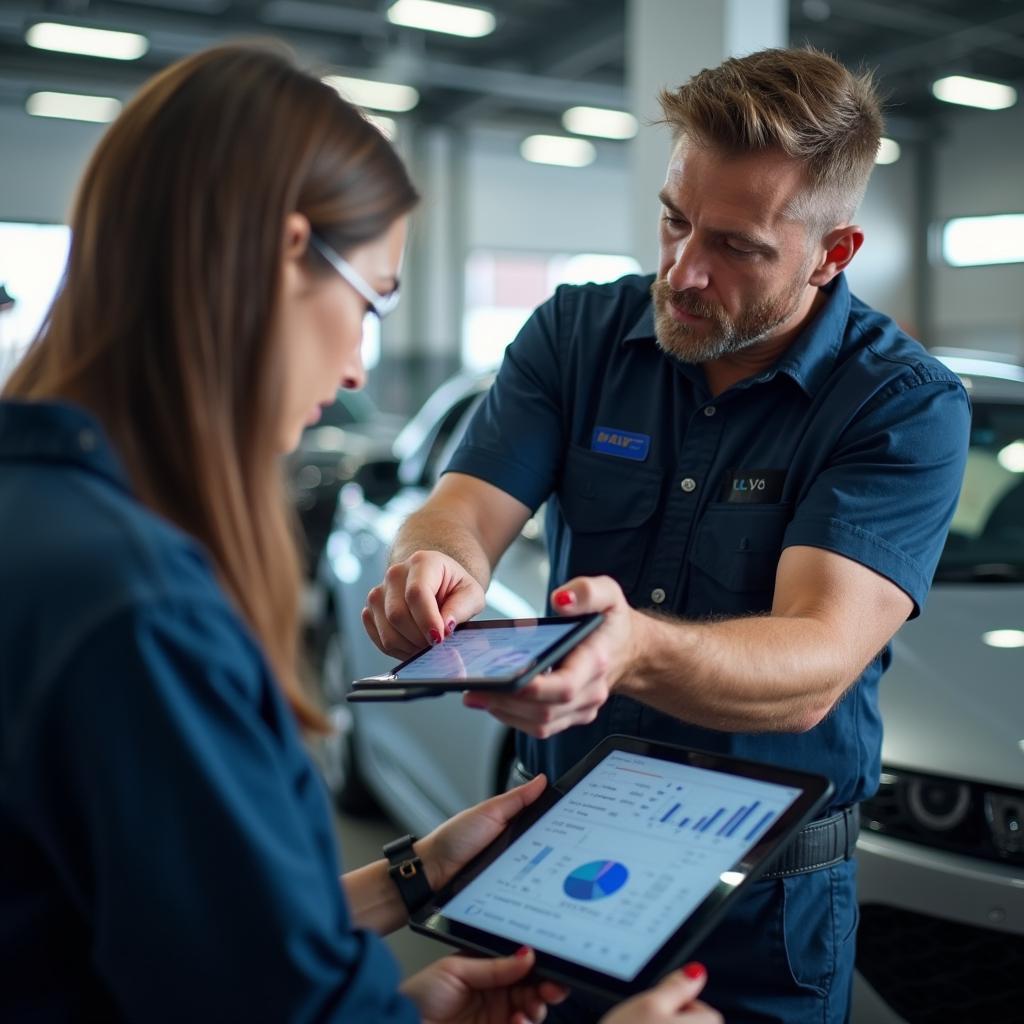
{"type": "Point", "coordinates": [657, 595]}
{"type": "Point", "coordinates": [709, 410]}
{"type": "Point", "coordinates": [688, 484]}
{"type": "Point", "coordinates": [87, 440]}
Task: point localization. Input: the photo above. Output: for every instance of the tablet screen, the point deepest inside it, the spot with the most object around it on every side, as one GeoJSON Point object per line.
{"type": "Point", "coordinates": [608, 874]}
{"type": "Point", "coordinates": [485, 653]}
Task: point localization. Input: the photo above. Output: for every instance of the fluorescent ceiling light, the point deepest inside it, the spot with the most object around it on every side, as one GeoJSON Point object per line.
{"type": "Point", "coordinates": [974, 92]}
{"type": "Point", "coordinates": [387, 126]}
{"type": "Point", "coordinates": [73, 106]}
{"type": "Point", "coordinates": [888, 151]}
{"type": "Point", "coordinates": [92, 42]}
{"type": "Point", "coordinates": [375, 95]}
{"type": "Point", "coordinates": [1011, 458]}
{"type": "Point", "coordinates": [557, 149]}
{"type": "Point", "coordinates": [977, 241]}
{"type": "Point", "coordinates": [1008, 638]}
{"type": "Point", "coordinates": [432, 16]}
{"type": "Point", "coordinates": [605, 124]}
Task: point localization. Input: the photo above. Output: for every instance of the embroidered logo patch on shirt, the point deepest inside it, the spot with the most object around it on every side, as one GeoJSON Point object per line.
{"type": "Point", "coordinates": [610, 441]}
{"type": "Point", "coordinates": [752, 486]}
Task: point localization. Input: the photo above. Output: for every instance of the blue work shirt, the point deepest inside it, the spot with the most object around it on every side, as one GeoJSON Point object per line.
{"type": "Point", "coordinates": [167, 847]}
{"type": "Point", "coordinates": [854, 441]}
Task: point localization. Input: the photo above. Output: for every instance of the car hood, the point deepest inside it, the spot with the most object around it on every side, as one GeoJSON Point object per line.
{"type": "Point", "coordinates": [951, 704]}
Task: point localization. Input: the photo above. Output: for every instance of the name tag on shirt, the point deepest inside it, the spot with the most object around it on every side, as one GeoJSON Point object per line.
{"type": "Point", "coordinates": [752, 486]}
{"type": "Point", "coordinates": [622, 443]}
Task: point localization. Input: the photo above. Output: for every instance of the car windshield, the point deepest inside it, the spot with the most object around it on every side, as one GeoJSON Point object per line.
{"type": "Point", "coordinates": [986, 538]}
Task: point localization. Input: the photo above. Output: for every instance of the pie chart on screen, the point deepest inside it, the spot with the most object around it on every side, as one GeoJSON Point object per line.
{"type": "Point", "coordinates": [595, 880]}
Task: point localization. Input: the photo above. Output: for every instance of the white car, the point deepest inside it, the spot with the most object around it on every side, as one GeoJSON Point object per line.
{"type": "Point", "coordinates": [941, 854]}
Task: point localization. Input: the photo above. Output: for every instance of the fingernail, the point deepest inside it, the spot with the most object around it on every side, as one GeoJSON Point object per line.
{"type": "Point", "coordinates": [695, 970]}
{"type": "Point", "coordinates": [435, 637]}
{"type": "Point", "coordinates": [449, 627]}
{"type": "Point", "coordinates": [473, 702]}
{"type": "Point", "coordinates": [523, 951]}
{"type": "Point", "coordinates": [564, 598]}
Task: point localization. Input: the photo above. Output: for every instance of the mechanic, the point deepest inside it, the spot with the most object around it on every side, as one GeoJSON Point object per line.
{"type": "Point", "coordinates": [748, 470]}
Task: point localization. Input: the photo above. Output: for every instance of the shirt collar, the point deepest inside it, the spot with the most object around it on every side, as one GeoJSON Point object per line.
{"type": "Point", "coordinates": [57, 432]}
{"type": "Point", "coordinates": [809, 360]}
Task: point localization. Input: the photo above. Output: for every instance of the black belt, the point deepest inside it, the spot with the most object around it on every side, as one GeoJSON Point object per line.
{"type": "Point", "coordinates": [819, 844]}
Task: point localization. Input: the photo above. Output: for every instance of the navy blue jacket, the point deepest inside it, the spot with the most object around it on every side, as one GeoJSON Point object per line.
{"type": "Point", "coordinates": [167, 848]}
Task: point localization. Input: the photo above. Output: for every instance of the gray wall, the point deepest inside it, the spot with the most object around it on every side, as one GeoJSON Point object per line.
{"type": "Point", "coordinates": [979, 170]}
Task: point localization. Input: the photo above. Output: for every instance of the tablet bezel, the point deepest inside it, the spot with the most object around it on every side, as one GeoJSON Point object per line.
{"type": "Point", "coordinates": [816, 790]}
{"type": "Point", "coordinates": [583, 626]}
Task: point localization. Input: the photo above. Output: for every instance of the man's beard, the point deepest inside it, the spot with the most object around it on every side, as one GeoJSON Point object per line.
{"type": "Point", "coordinates": [722, 335]}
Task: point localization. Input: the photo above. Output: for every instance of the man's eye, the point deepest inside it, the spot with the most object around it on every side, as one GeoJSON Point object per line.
{"type": "Point", "coordinates": [738, 251]}
{"type": "Point", "coordinates": [674, 222]}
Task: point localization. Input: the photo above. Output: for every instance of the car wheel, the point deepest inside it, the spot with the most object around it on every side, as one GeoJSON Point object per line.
{"type": "Point", "coordinates": [338, 754]}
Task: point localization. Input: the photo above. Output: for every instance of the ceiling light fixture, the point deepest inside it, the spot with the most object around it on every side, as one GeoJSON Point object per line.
{"type": "Point", "coordinates": [362, 92]}
{"type": "Point", "coordinates": [1007, 638]}
{"type": "Point", "coordinates": [90, 42]}
{"type": "Point", "coordinates": [974, 92]}
{"type": "Point", "coordinates": [888, 151]}
{"type": "Point", "coordinates": [602, 123]}
{"type": "Point", "coordinates": [433, 16]}
{"type": "Point", "coordinates": [73, 106]}
{"type": "Point", "coordinates": [558, 150]}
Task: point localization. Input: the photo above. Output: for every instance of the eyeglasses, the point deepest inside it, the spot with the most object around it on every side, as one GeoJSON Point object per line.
{"type": "Point", "coordinates": [381, 305]}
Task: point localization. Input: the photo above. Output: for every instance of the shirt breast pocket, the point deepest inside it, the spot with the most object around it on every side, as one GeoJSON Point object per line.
{"type": "Point", "coordinates": [734, 558]}
{"type": "Point", "coordinates": [608, 504]}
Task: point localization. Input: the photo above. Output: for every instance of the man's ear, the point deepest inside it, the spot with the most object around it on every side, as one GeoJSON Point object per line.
{"type": "Point", "coordinates": [838, 247]}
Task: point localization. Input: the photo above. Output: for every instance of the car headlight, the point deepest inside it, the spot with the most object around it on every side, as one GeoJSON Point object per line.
{"type": "Point", "coordinates": [949, 814]}
{"type": "Point", "coordinates": [938, 804]}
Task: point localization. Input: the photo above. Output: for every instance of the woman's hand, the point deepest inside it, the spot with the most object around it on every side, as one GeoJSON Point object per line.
{"type": "Point", "coordinates": [671, 1001]}
{"type": "Point", "coordinates": [464, 990]}
{"type": "Point", "coordinates": [461, 838]}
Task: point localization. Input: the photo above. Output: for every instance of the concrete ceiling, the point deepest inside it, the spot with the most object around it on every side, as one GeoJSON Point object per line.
{"type": "Point", "coordinates": [544, 55]}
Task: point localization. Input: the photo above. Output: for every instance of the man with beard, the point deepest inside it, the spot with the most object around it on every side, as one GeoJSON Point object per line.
{"type": "Point", "coordinates": [750, 472]}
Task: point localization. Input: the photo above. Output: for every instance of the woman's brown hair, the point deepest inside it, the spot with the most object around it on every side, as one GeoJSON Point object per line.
{"type": "Point", "coordinates": [162, 325]}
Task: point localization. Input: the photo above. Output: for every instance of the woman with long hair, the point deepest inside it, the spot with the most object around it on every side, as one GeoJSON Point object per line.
{"type": "Point", "coordinates": [168, 850]}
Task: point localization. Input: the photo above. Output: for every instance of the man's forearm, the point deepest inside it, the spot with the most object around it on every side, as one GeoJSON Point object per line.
{"type": "Point", "coordinates": [435, 530]}
{"type": "Point", "coordinates": [757, 674]}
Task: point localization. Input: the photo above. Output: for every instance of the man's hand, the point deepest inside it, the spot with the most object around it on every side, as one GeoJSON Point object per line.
{"type": "Point", "coordinates": [420, 602]}
{"type": "Point", "coordinates": [573, 693]}
{"type": "Point", "coordinates": [672, 1001]}
{"type": "Point", "coordinates": [460, 839]}
{"type": "Point", "coordinates": [461, 990]}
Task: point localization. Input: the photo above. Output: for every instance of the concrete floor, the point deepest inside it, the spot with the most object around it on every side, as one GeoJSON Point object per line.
{"type": "Point", "coordinates": [361, 840]}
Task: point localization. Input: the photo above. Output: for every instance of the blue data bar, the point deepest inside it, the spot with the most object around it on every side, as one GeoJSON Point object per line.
{"type": "Point", "coordinates": [742, 818]}
{"type": "Point", "coordinates": [668, 814]}
{"type": "Point", "coordinates": [682, 823]}
{"type": "Point", "coordinates": [696, 828]}
{"type": "Point", "coordinates": [728, 825]}
{"type": "Point", "coordinates": [757, 828]}
{"type": "Point", "coordinates": [714, 817]}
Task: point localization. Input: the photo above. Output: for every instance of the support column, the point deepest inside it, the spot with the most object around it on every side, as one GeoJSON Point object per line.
{"type": "Point", "coordinates": [668, 41]}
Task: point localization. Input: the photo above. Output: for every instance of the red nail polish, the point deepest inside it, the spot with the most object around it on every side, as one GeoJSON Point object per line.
{"type": "Point", "coordinates": [449, 627]}
{"type": "Point", "coordinates": [473, 702]}
{"type": "Point", "coordinates": [435, 637]}
{"type": "Point", "coordinates": [523, 951]}
{"type": "Point", "coordinates": [564, 598]}
{"type": "Point", "coordinates": [695, 970]}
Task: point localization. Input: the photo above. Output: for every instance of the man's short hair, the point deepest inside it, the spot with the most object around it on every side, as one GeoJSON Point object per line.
{"type": "Point", "coordinates": [801, 102]}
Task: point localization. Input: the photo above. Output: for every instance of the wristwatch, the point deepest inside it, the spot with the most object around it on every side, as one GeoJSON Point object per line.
{"type": "Point", "coordinates": [408, 873]}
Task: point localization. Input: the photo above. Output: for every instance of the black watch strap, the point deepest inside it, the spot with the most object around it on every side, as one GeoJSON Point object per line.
{"type": "Point", "coordinates": [408, 873]}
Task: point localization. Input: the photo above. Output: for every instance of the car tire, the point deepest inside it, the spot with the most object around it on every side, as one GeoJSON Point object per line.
{"type": "Point", "coordinates": [338, 749]}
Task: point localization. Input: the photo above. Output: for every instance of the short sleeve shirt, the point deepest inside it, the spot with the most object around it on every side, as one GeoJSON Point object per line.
{"type": "Point", "coordinates": [854, 442]}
